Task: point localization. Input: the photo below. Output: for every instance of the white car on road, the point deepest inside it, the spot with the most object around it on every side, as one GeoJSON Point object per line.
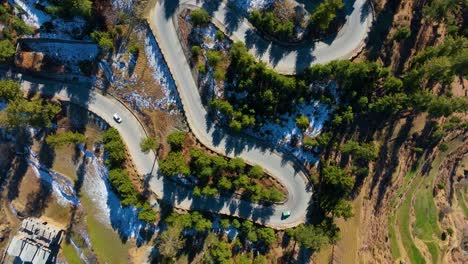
{"type": "Point", "coordinates": [117, 118]}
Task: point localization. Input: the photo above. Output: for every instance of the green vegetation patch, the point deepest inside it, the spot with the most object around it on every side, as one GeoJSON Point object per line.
{"type": "Point", "coordinates": [70, 254]}
{"type": "Point", "coordinates": [106, 243]}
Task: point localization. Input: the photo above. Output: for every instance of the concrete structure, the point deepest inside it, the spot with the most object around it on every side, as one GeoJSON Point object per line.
{"type": "Point", "coordinates": [35, 242]}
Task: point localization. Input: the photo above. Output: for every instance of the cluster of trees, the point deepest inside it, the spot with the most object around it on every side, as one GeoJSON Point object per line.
{"type": "Point", "coordinates": [65, 138]}
{"type": "Point", "coordinates": [116, 156]}
{"type": "Point", "coordinates": [105, 39]}
{"type": "Point", "coordinates": [21, 112]}
{"type": "Point", "coordinates": [362, 154]}
{"type": "Point", "coordinates": [70, 8]}
{"type": "Point", "coordinates": [215, 173]}
{"type": "Point", "coordinates": [13, 27]}
{"type": "Point", "coordinates": [324, 14]}
{"type": "Point", "coordinates": [439, 63]}
{"type": "Point", "coordinates": [443, 10]}
{"type": "Point", "coordinates": [272, 25]}
{"type": "Point", "coordinates": [269, 93]}
{"type": "Point", "coordinates": [172, 241]}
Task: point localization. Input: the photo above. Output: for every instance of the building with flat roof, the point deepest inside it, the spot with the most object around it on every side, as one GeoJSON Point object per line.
{"type": "Point", "coordinates": [35, 242]}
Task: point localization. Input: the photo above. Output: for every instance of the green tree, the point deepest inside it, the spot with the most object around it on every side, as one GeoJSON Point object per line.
{"type": "Point", "coordinates": [115, 147]}
{"type": "Point", "coordinates": [237, 165]}
{"type": "Point", "coordinates": [255, 172]}
{"type": "Point", "coordinates": [337, 179]}
{"type": "Point", "coordinates": [309, 143]}
{"type": "Point", "coordinates": [235, 125]}
{"type": "Point", "coordinates": [225, 184]}
{"type": "Point", "coordinates": [9, 90]}
{"type": "Point", "coordinates": [196, 51]}
{"type": "Point", "coordinates": [147, 214]}
{"type": "Point", "coordinates": [103, 39]}
{"type": "Point", "coordinates": [213, 57]}
{"type": "Point", "coordinates": [122, 183]}
{"type": "Point", "coordinates": [311, 237]}
{"type": "Point", "coordinates": [324, 14]}
{"type": "Point", "coordinates": [200, 223]}
{"type": "Point", "coordinates": [267, 235]}
{"type": "Point", "coordinates": [260, 259]}
{"type": "Point", "coordinates": [225, 223]}
{"type": "Point", "coordinates": [148, 144]}
{"type": "Point", "coordinates": [200, 17]}
{"type": "Point", "coordinates": [65, 138]}
{"type": "Point", "coordinates": [36, 113]}
{"type": "Point", "coordinates": [170, 242]}
{"type": "Point", "coordinates": [303, 122]}
{"type": "Point", "coordinates": [176, 140]}
{"type": "Point", "coordinates": [7, 50]}
{"type": "Point", "coordinates": [219, 252]}
{"type": "Point", "coordinates": [174, 164]}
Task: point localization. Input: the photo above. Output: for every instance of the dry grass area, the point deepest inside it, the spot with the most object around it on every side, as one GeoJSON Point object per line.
{"type": "Point", "coordinates": [35, 199]}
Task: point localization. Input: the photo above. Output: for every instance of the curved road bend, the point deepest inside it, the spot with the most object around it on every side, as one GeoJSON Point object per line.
{"type": "Point", "coordinates": [287, 60]}
{"type": "Point", "coordinates": [132, 133]}
{"type": "Point", "coordinates": [221, 141]}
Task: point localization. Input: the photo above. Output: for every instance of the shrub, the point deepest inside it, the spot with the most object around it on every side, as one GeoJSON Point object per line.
{"type": "Point", "coordinates": [66, 138]}
{"type": "Point", "coordinates": [443, 147]}
{"type": "Point", "coordinates": [401, 33]}
{"type": "Point", "coordinates": [103, 39]}
{"type": "Point", "coordinates": [148, 144]}
{"type": "Point", "coordinates": [115, 147]}
{"type": "Point", "coordinates": [303, 122]}
{"type": "Point", "coordinates": [176, 140]}
{"type": "Point", "coordinates": [133, 48]}
{"type": "Point", "coordinates": [214, 57]}
{"type": "Point", "coordinates": [121, 182]}
{"type": "Point", "coordinates": [196, 51]}
{"type": "Point", "coordinates": [219, 74]}
{"type": "Point", "coordinates": [174, 164]}
{"type": "Point", "coordinates": [200, 17]}
{"type": "Point", "coordinates": [9, 90]}
{"type": "Point", "coordinates": [256, 172]}
{"type": "Point", "coordinates": [7, 50]}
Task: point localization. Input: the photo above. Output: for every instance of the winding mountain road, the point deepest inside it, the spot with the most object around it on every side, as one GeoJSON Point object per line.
{"type": "Point", "coordinates": [280, 165]}
{"type": "Point", "coordinates": [348, 41]}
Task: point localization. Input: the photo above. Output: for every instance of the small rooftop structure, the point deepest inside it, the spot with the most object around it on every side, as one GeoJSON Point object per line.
{"type": "Point", "coordinates": [35, 242]}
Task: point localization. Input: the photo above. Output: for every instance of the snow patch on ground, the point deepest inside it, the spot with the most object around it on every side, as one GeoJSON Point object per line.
{"type": "Point", "coordinates": [161, 74]}
{"type": "Point", "coordinates": [123, 219]}
{"type": "Point", "coordinates": [126, 5]}
{"type": "Point", "coordinates": [249, 5]}
{"type": "Point", "coordinates": [32, 16]}
{"type": "Point", "coordinates": [62, 188]}
{"type": "Point", "coordinates": [284, 134]}
{"type": "Point", "coordinates": [69, 54]}
{"type": "Point", "coordinates": [36, 18]}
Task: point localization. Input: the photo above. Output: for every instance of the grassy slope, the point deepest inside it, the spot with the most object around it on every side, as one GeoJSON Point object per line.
{"type": "Point", "coordinates": [461, 201]}
{"type": "Point", "coordinates": [403, 215]}
{"type": "Point", "coordinates": [70, 254]}
{"type": "Point", "coordinates": [106, 243]}
{"type": "Point", "coordinates": [426, 226]}
{"type": "Point", "coordinates": [395, 240]}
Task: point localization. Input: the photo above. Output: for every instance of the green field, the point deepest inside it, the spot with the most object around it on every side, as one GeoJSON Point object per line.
{"type": "Point", "coordinates": [461, 201]}
{"type": "Point", "coordinates": [106, 243]}
{"type": "Point", "coordinates": [70, 254]}
{"type": "Point", "coordinates": [418, 199]}
{"type": "Point", "coordinates": [403, 215]}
